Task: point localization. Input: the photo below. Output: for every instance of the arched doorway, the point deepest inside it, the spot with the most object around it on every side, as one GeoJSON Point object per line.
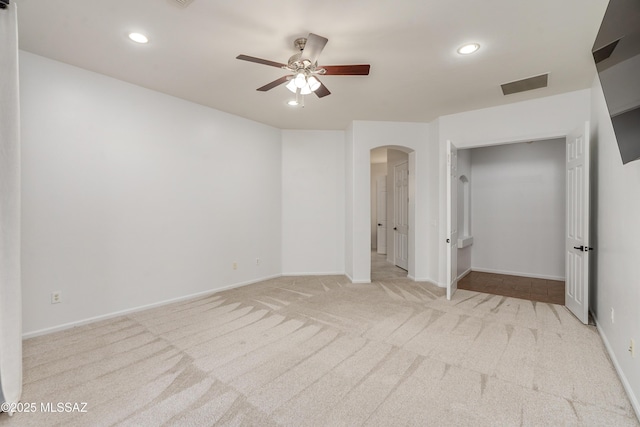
{"type": "Point", "coordinates": [391, 189]}
{"type": "Point", "coordinates": [361, 137]}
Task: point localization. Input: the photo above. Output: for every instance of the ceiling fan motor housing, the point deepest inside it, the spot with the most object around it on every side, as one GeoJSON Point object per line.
{"type": "Point", "coordinates": [297, 63]}
{"type": "Point", "coordinates": [300, 43]}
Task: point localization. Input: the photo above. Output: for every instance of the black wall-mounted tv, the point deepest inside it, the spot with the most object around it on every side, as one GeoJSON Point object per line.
{"type": "Point", "coordinates": [616, 52]}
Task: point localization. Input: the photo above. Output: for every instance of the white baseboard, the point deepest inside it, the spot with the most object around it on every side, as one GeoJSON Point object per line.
{"type": "Point", "coordinates": [421, 279]}
{"type": "Point", "coordinates": [77, 323]}
{"type": "Point", "coordinates": [424, 279]}
{"type": "Point", "coordinates": [623, 379]}
{"type": "Point", "coordinates": [429, 281]}
{"type": "Point", "coordinates": [356, 281]}
{"type": "Point", "coordinates": [324, 273]}
{"type": "Point", "coordinates": [516, 273]}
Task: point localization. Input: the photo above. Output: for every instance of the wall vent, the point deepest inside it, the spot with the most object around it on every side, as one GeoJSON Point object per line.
{"type": "Point", "coordinates": [182, 3]}
{"type": "Point", "coordinates": [524, 85]}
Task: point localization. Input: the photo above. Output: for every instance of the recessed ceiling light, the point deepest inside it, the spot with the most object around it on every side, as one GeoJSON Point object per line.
{"type": "Point", "coordinates": [468, 48]}
{"type": "Point", "coordinates": [138, 38]}
{"type": "Point", "coordinates": [293, 102]}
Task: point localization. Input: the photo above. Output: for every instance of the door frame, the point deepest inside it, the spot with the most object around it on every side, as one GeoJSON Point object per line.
{"type": "Point", "coordinates": [397, 240]}
{"type": "Point", "coordinates": [381, 207]}
{"type": "Point", "coordinates": [452, 219]}
{"type": "Point", "coordinates": [444, 247]}
{"type": "Point", "coordinates": [413, 185]}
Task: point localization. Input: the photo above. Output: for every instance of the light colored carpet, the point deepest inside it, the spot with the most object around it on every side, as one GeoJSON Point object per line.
{"type": "Point", "coordinates": [321, 351]}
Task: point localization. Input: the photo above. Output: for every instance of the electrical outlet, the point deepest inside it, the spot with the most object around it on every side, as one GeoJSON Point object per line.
{"type": "Point", "coordinates": [56, 297]}
{"type": "Point", "coordinates": [632, 348]}
{"type": "Point", "coordinates": [257, 261]}
{"type": "Point", "coordinates": [612, 318]}
{"type": "Point", "coordinates": [235, 265]}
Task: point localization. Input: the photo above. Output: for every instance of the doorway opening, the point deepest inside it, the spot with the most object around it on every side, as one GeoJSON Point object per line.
{"type": "Point", "coordinates": [382, 270]}
{"type": "Point", "coordinates": [511, 207]}
{"type": "Point", "coordinates": [391, 189]}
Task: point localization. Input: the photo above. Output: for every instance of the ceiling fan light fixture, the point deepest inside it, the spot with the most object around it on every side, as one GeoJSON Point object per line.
{"type": "Point", "coordinates": [303, 68]}
{"type": "Point", "coordinates": [292, 86]}
{"type": "Point", "coordinates": [468, 48]}
{"type": "Point", "coordinates": [293, 102]}
{"type": "Point", "coordinates": [300, 80]}
{"type": "Point", "coordinates": [314, 84]}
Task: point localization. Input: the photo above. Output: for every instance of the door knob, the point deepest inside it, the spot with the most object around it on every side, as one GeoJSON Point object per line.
{"type": "Point", "coordinates": [379, 225]}
{"type": "Point", "coordinates": [395, 228]}
{"type": "Point", "coordinates": [583, 248]}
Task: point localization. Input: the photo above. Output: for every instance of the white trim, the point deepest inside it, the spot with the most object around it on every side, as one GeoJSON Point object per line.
{"type": "Point", "coordinates": [423, 279]}
{"type": "Point", "coordinates": [515, 273]}
{"type": "Point", "coordinates": [554, 134]}
{"type": "Point", "coordinates": [623, 379]}
{"type": "Point", "coordinates": [324, 273]}
{"type": "Point", "coordinates": [356, 281]}
{"type": "Point", "coordinates": [77, 323]}
{"type": "Point", "coordinates": [438, 284]}
{"type": "Point", "coordinates": [429, 281]}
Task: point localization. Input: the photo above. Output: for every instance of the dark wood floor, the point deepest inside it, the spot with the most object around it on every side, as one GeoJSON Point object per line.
{"type": "Point", "coordinates": [542, 290]}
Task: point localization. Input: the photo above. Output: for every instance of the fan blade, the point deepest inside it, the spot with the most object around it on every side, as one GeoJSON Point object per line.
{"type": "Point", "coordinates": [313, 47]}
{"type": "Point", "coordinates": [260, 61]}
{"type": "Point", "coordinates": [273, 84]}
{"type": "Point", "coordinates": [346, 70]}
{"type": "Point", "coordinates": [322, 91]}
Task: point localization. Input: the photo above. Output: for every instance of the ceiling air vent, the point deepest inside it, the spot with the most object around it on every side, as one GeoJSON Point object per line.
{"type": "Point", "coordinates": [524, 85]}
{"type": "Point", "coordinates": [182, 3]}
{"type": "Point", "coordinates": [604, 52]}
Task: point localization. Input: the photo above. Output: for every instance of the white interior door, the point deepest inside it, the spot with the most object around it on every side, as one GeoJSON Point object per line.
{"type": "Point", "coordinates": [452, 219]}
{"type": "Point", "coordinates": [381, 214]}
{"type": "Point", "coordinates": [401, 214]}
{"type": "Point", "coordinates": [577, 232]}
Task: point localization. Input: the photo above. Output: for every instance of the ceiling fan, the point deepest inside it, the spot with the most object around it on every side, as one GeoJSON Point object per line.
{"type": "Point", "coordinates": [304, 68]}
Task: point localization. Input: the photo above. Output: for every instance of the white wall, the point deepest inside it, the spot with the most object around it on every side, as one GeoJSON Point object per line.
{"type": "Point", "coordinates": [349, 223]}
{"type": "Point", "coordinates": [615, 280]}
{"type": "Point", "coordinates": [313, 202]}
{"type": "Point", "coordinates": [377, 170]}
{"type": "Point", "coordinates": [541, 118]}
{"type": "Point", "coordinates": [518, 209]}
{"type": "Point", "coordinates": [361, 137]}
{"type": "Point", "coordinates": [537, 119]}
{"type": "Point", "coordinates": [131, 197]}
{"type": "Point", "coordinates": [433, 204]}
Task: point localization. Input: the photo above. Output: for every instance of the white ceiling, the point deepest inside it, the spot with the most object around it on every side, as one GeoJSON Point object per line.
{"type": "Point", "coordinates": [416, 74]}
